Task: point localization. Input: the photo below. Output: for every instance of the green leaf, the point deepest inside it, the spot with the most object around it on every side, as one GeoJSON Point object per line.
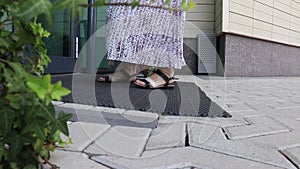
{"type": "Point", "coordinates": [4, 43]}
{"type": "Point", "coordinates": [29, 9]}
{"type": "Point", "coordinates": [37, 127]}
{"type": "Point", "coordinates": [16, 143]}
{"type": "Point", "coordinates": [15, 100]}
{"type": "Point", "coordinates": [7, 117]}
{"type": "Point", "coordinates": [135, 3]}
{"type": "Point", "coordinates": [46, 112]}
{"type": "Point", "coordinates": [3, 152]}
{"type": "Point", "coordinates": [100, 2]}
{"type": "Point", "coordinates": [61, 123]}
{"type": "Point", "coordinates": [39, 85]}
{"type": "Point", "coordinates": [30, 166]}
{"type": "Point", "coordinates": [58, 91]}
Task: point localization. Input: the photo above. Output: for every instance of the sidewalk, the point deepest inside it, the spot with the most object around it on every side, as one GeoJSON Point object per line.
{"type": "Point", "coordinates": [264, 131]}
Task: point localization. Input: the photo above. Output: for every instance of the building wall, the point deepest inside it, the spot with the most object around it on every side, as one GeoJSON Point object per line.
{"type": "Point", "coordinates": [218, 16]}
{"type": "Point", "coordinates": [245, 56]}
{"type": "Point", "coordinates": [273, 20]}
{"type": "Point", "coordinates": [200, 19]}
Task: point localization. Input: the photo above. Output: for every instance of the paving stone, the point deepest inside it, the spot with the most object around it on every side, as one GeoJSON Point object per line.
{"type": "Point", "coordinates": [222, 122]}
{"type": "Point", "coordinates": [263, 96]}
{"type": "Point", "coordinates": [293, 154]}
{"type": "Point", "coordinates": [260, 126]}
{"type": "Point", "coordinates": [76, 106]}
{"type": "Point", "coordinates": [56, 103]}
{"type": "Point", "coordinates": [182, 158]}
{"type": "Point", "coordinates": [96, 115]}
{"type": "Point", "coordinates": [237, 107]}
{"type": "Point", "coordinates": [167, 136]}
{"type": "Point", "coordinates": [70, 160]}
{"type": "Point", "coordinates": [222, 97]}
{"type": "Point", "coordinates": [213, 139]}
{"type": "Point", "coordinates": [83, 134]}
{"type": "Point", "coordinates": [284, 105]}
{"type": "Point", "coordinates": [121, 141]}
{"type": "Point", "coordinates": [142, 117]}
{"type": "Point", "coordinates": [108, 110]}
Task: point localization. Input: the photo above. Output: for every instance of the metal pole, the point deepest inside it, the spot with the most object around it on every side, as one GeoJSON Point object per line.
{"type": "Point", "coordinates": [91, 46]}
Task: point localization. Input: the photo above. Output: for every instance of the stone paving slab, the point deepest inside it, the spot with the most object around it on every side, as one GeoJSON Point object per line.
{"type": "Point", "coordinates": [293, 154]}
{"type": "Point", "coordinates": [182, 158]}
{"type": "Point", "coordinates": [108, 110]}
{"type": "Point", "coordinates": [285, 104]}
{"type": "Point", "coordinates": [237, 107]}
{"type": "Point", "coordinates": [110, 116]}
{"type": "Point", "coordinates": [222, 122]}
{"type": "Point", "coordinates": [167, 136]}
{"type": "Point", "coordinates": [260, 126]}
{"type": "Point", "coordinates": [83, 134]}
{"type": "Point", "coordinates": [56, 103]}
{"type": "Point", "coordinates": [142, 117]}
{"type": "Point", "coordinates": [213, 139]}
{"type": "Point", "coordinates": [72, 160]}
{"type": "Point", "coordinates": [120, 141]}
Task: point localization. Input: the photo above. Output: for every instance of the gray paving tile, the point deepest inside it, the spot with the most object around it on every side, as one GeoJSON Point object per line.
{"type": "Point", "coordinates": [213, 139]}
{"type": "Point", "coordinates": [102, 116]}
{"type": "Point", "coordinates": [222, 122]}
{"type": "Point", "coordinates": [263, 96]}
{"type": "Point", "coordinates": [182, 158]}
{"type": "Point", "coordinates": [70, 160]}
{"type": "Point", "coordinates": [260, 126]}
{"type": "Point", "coordinates": [76, 106]}
{"type": "Point", "coordinates": [285, 104]}
{"type": "Point", "coordinates": [142, 117]}
{"type": "Point", "coordinates": [167, 136]}
{"type": "Point", "coordinates": [83, 134]}
{"type": "Point", "coordinates": [236, 107]}
{"type": "Point", "coordinates": [108, 110]}
{"type": "Point", "coordinates": [293, 154]}
{"type": "Point", "coordinates": [56, 103]}
{"type": "Point", "coordinates": [121, 141]}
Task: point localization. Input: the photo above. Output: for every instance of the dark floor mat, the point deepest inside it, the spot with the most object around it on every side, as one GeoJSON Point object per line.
{"type": "Point", "coordinates": [185, 99]}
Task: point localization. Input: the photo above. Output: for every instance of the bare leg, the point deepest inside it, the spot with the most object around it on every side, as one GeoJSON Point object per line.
{"type": "Point", "coordinates": [118, 75]}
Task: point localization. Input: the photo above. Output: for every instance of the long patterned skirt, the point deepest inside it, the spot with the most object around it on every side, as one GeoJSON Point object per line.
{"type": "Point", "coordinates": [145, 35]}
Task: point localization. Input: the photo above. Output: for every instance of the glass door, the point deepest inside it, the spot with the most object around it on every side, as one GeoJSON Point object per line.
{"type": "Point", "coordinates": [61, 45]}
{"type": "Point", "coordinates": [69, 38]}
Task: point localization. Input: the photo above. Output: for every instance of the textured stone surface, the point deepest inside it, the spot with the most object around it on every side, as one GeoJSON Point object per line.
{"type": "Point", "coordinates": [259, 126]}
{"type": "Point", "coordinates": [293, 154]}
{"type": "Point", "coordinates": [142, 117]}
{"type": "Point", "coordinates": [120, 141]}
{"type": "Point", "coordinates": [167, 136]}
{"type": "Point", "coordinates": [70, 160]}
{"type": "Point", "coordinates": [109, 116]}
{"type": "Point", "coordinates": [213, 139]}
{"type": "Point", "coordinates": [181, 158]}
{"type": "Point", "coordinates": [83, 134]}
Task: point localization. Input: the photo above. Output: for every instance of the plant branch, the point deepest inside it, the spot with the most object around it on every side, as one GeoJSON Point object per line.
{"type": "Point", "coordinates": [4, 61]}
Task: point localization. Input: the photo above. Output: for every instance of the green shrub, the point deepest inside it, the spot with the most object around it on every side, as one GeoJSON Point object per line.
{"type": "Point", "coordinates": [29, 128]}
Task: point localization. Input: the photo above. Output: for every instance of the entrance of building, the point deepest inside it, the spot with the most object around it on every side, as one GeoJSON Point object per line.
{"type": "Point", "coordinates": [68, 38]}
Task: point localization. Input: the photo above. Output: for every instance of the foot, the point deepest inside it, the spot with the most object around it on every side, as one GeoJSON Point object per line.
{"type": "Point", "coordinates": [156, 80]}
{"type": "Point", "coordinates": [118, 76]}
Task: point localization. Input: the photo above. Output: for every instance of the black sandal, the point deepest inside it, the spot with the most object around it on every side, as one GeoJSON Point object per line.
{"type": "Point", "coordinates": [148, 82]}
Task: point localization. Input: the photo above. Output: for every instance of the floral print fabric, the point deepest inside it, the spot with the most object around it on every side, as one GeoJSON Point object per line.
{"type": "Point", "coordinates": [145, 35]}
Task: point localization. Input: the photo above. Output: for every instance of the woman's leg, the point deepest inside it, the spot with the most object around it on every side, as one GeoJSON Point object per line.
{"type": "Point", "coordinates": [124, 72]}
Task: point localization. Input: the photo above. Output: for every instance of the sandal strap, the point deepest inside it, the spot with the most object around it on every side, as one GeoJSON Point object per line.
{"type": "Point", "coordinates": [164, 77]}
